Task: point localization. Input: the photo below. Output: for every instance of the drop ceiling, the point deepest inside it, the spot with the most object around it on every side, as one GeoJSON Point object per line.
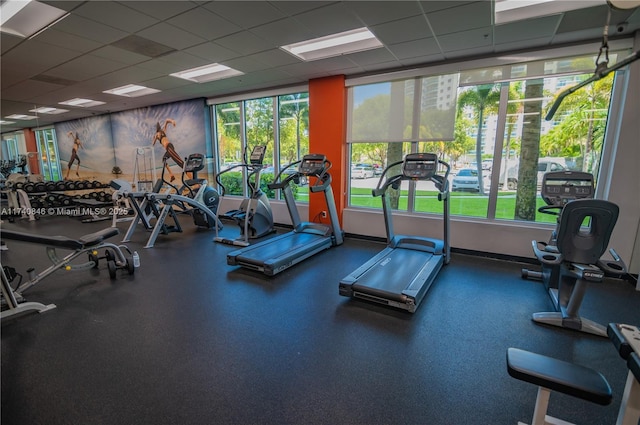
{"type": "Point", "coordinates": [106, 44]}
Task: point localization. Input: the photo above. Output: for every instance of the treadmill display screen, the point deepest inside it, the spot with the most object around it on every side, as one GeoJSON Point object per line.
{"type": "Point", "coordinates": [312, 165]}
{"type": "Point", "coordinates": [420, 166]}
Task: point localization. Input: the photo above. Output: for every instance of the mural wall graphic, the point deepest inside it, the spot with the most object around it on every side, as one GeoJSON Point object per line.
{"type": "Point", "coordinates": [109, 143]}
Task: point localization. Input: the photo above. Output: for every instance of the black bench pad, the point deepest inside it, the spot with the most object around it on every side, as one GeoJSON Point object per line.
{"type": "Point", "coordinates": [85, 241]}
{"type": "Point", "coordinates": [558, 375]}
{"type": "Point", "coordinates": [634, 365]}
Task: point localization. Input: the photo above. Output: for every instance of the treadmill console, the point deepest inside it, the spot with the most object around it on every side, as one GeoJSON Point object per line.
{"type": "Point", "coordinates": [257, 155]}
{"type": "Point", "coordinates": [420, 166]}
{"type": "Point", "coordinates": [312, 165]}
{"type": "Point", "coordinates": [560, 187]}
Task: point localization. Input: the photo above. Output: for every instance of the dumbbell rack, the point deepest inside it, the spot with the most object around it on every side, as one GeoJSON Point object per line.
{"type": "Point", "coordinates": [32, 197]}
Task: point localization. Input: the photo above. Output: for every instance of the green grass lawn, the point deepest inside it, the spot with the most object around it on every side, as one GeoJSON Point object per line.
{"type": "Point", "coordinates": [461, 204]}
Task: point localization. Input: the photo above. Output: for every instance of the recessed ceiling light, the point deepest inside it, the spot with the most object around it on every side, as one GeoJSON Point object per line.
{"type": "Point", "coordinates": [203, 74]}
{"type": "Point", "coordinates": [82, 103]}
{"type": "Point", "coordinates": [48, 110]}
{"type": "Point", "coordinates": [6, 122]}
{"type": "Point", "coordinates": [27, 18]}
{"type": "Point", "coordinates": [131, 90]}
{"type": "Point", "coordinates": [518, 10]}
{"type": "Point", "coordinates": [334, 45]}
{"type": "Point", "coordinates": [21, 117]}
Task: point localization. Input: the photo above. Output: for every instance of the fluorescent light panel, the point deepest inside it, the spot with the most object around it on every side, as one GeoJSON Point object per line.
{"type": "Point", "coordinates": [48, 110]}
{"type": "Point", "coordinates": [131, 90]}
{"type": "Point", "coordinates": [26, 18]}
{"type": "Point", "coordinates": [203, 74]}
{"type": "Point", "coordinates": [21, 117]}
{"type": "Point", "coordinates": [82, 103]}
{"type": "Point", "coordinates": [334, 45]}
{"type": "Point", "coordinates": [519, 10]}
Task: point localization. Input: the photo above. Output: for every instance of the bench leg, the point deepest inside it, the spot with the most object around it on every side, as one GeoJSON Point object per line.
{"type": "Point", "coordinates": [540, 416]}
{"type": "Point", "coordinates": [630, 405]}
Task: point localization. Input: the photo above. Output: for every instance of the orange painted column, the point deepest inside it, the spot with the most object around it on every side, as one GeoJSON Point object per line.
{"type": "Point", "coordinates": [327, 135]}
{"type": "Point", "coordinates": [32, 146]}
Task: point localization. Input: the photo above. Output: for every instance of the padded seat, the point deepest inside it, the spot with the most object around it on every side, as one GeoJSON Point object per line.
{"type": "Point", "coordinates": [86, 241]}
{"type": "Point", "coordinates": [551, 374]}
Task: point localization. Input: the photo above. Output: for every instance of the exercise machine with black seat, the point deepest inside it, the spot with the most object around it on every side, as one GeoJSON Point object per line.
{"type": "Point", "coordinates": [584, 231]}
{"type": "Point", "coordinates": [278, 253]}
{"type": "Point", "coordinates": [118, 257]}
{"type": "Point", "coordinates": [558, 188]}
{"type": "Point", "coordinates": [254, 216]}
{"type": "Point", "coordinates": [401, 274]}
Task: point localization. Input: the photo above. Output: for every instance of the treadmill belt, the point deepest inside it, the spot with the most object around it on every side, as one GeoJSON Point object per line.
{"type": "Point", "coordinates": [280, 246]}
{"type": "Point", "coordinates": [394, 274]}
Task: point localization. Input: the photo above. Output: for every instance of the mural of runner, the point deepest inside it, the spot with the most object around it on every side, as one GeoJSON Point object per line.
{"type": "Point", "coordinates": [170, 151]}
{"type": "Point", "coordinates": [77, 145]}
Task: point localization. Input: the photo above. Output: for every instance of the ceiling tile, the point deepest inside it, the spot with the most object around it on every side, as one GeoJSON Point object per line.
{"type": "Point", "coordinates": [204, 23]}
{"type": "Point", "coordinates": [329, 20]}
{"type": "Point", "coordinates": [415, 48]}
{"type": "Point", "coordinates": [172, 36]}
{"type": "Point", "coordinates": [422, 60]}
{"type": "Point", "coordinates": [285, 31]}
{"type": "Point", "coordinates": [461, 18]}
{"type": "Point", "coordinates": [275, 58]}
{"type": "Point", "coordinates": [27, 89]}
{"type": "Point", "coordinates": [578, 20]}
{"type": "Point", "coordinates": [369, 57]}
{"type": "Point", "coordinates": [246, 14]}
{"type": "Point", "coordinates": [377, 12]}
{"type": "Point", "coordinates": [212, 52]}
{"type": "Point", "coordinates": [246, 64]}
{"type": "Point", "coordinates": [291, 8]}
{"type": "Point", "coordinates": [8, 41]}
{"type": "Point", "coordinates": [69, 41]}
{"type": "Point", "coordinates": [35, 57]}
{"type": "Point", "coordinates": [119, 55]}
{"type": "Point", "coordinates": [160, 9]}
{"type": "Point", "coordinates": [114, 15]}
{"type": "Point", "coordinates": [85, 67]}
{"type": "Point", "coordinates": [88, 28]}
{"type": "Point", "coordinates": [463, 40]}
{"type": "Point", "coordinates": [533, 28]}
{"type": "Point", "coordinates": [402, 30]}
{"type": "Point", "coordinates": [245, 43]}
{"type": "Point", "coordinates": [431, 6]}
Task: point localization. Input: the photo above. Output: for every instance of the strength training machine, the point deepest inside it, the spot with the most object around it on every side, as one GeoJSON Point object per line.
{"type": "Point", "coordinates": [306, 239]}
{"type": "Point", "coordinates": [401, 274]}
{"type": "Point", "coordinates": [254, 217]}
{"type": "Point", "coordinates": [89, 245]}
{"type": "Point", "coordinates": [572, 257]}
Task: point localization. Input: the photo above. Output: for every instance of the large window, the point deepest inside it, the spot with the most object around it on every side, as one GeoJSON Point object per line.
{"type": "Point", "coordinates": [279, 122]}
{"type": "Point", "coordinates": [499, 145]}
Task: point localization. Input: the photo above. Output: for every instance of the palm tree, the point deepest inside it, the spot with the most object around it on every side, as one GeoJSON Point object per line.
{"type": "Point", "coordinates": [483, 99]}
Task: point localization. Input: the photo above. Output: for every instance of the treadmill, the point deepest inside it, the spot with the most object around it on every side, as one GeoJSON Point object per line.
{"type": "Point", "coordinates": [306, 239]}
{"type": "Point", "coordinates": [401, 274]}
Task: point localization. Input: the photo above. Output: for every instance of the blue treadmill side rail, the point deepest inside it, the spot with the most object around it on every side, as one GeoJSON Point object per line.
{"type": "Point", "coordinates": [280, 252]}
{"type": "Point", "coordinates": [397, 277]}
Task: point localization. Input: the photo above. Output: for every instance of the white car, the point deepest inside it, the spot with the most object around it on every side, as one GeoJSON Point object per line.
{"type": "Point", "coordinates": [466, 179]}
{"type": "Point", "coordinates": [361, 171]}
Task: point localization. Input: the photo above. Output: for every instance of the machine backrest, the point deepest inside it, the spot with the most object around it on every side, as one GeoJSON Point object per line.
{"type": "Point", "coordinates": [585, 245]}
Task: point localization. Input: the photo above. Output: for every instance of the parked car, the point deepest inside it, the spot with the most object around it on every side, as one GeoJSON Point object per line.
{"type": "Point", "coordinates": [545, 165]}
{"type": "Point", "coordinates": [466, 179]}
{"type": "Point", "coordinates": [362, 171]}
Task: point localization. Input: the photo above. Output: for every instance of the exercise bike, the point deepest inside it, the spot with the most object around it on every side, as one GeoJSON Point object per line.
{"type": "Point", "coordinates": [572, 257]}
{"type": "Point", "coordinates": [254, 217]}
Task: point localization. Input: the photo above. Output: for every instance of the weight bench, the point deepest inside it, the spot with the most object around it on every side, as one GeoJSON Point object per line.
{"type": "Point", "coordinates": [551, 374]}
{"type": "Point", "coordinates": [88, 244]}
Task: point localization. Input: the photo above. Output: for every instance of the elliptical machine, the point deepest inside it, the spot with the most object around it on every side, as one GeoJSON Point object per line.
{"type": "Point", "coordinates": [254, 217]}
{"type": "Point", "coordinates": [572, 257]}
{"type": "Point", "coordinates": [197, 189]}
